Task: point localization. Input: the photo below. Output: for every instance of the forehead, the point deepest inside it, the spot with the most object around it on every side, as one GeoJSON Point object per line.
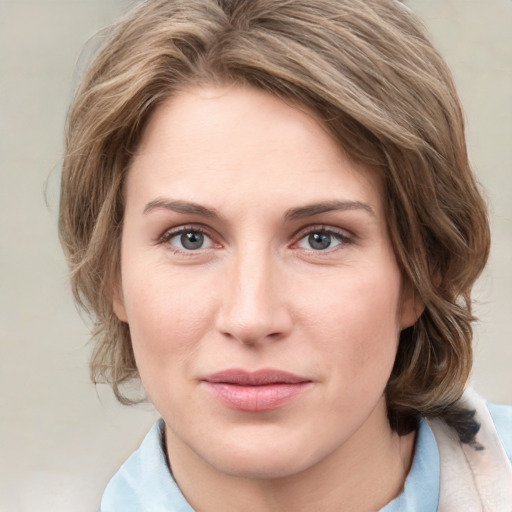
{"type": "Point", "coordinates": [245, 143]}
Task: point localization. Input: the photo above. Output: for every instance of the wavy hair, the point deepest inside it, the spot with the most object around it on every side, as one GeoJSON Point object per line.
{"type": "Point", "coordinates": [369, 72]}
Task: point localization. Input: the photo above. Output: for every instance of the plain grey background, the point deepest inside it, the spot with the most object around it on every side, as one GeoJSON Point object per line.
{"type": "Point", "coordinates": [61, 438]}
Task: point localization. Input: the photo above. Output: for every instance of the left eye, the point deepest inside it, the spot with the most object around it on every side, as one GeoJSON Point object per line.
{"type": "Point", "coordinates": [190, 240]}
{"type": "Point", "coordinates": [321, 240]}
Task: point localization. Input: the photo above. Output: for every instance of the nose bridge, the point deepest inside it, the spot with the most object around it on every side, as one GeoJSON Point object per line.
{"type": "Point", "coordinates": [253, 308]}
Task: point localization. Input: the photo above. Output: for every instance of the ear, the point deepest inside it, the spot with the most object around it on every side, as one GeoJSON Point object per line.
{"type": "Point", "coordinates": [411, 307]}
{"type": "Point", "coordinates": [118, 303]}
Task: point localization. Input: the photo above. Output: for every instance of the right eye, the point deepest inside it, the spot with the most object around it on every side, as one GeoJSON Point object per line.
{"type": "Point", "coordinates": [188, 239]}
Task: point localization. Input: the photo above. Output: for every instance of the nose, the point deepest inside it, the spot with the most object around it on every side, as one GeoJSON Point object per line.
{"type": "Point", "coordinates": [254, 305]}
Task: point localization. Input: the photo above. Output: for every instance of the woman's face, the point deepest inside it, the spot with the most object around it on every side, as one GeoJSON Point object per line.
{"type": "Point", "coordinates": [259, 284]}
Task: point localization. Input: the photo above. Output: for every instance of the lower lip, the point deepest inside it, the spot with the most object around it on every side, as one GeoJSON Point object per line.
{"type": "Point", "coordinates": [255, 398]}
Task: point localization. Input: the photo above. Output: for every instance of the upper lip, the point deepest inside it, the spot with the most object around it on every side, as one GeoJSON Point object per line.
{"type": "Point", "coordinates": [255, 378]}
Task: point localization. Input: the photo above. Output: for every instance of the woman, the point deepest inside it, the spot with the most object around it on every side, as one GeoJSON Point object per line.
{"type": "Point", "coordinates": [268, 207]}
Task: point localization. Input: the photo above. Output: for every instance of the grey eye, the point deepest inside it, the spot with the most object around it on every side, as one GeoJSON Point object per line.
{"type": "Point", "coordinates": [319, 241]}
{"type": "Point", "coordinates": [192, 240]}
{"type": "Point", "coordinates": [189, 240]}
{"type": "Point", "coordinates": [322, 239]}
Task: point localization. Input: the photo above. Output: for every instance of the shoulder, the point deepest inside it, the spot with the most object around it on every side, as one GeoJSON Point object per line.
{"type": "Point", "coordinates": [495, 422]}
{"type": "Point", "coordinates": [478, 473]}
{"type": "Point", "coordinates": [502, 418]}
{"type": "Point", "coordinates": [144, 481]}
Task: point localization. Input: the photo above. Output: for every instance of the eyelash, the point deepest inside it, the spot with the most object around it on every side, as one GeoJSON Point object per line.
{"type": "Point", "coordinates": [168, 235]}
{"type": "Point", "coordinates": [336, 234]}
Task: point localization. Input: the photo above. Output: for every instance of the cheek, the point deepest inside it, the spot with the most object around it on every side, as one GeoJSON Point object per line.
{"type": "Point", "coordinates": [357, 324]}
{"type": "Point", "coordinates": [167, 313]}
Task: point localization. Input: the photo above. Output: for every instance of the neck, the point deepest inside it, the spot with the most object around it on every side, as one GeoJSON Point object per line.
{"type": "Point", "coordinates": [365, 473]}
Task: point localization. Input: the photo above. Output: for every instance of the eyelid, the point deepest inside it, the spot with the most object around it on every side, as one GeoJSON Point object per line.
{"type": "Point", "coordinates": [170, 233]}
{"type": "Point", "coordinates": [345, 236]}
{"type": "Point", "coordinates": [325, 228]}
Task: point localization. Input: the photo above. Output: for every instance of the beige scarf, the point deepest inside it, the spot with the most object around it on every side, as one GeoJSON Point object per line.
{"type": "Point", "coordinates": [473, 480]}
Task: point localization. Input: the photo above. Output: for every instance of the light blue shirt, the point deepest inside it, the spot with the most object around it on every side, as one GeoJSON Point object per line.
{"type": "Point", "coordinates": [144, 482]}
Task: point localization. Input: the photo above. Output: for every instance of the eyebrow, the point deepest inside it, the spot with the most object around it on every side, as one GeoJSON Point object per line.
{"type": "Point", "coordinates": [297, 213]}
{"type": "Point", "coordinates": [315, 209]}
{"type": "Point", "coordinates": [180, 207]}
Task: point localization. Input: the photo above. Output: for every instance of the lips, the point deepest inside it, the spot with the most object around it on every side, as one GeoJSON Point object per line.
{"type": "Point", "coordinates": [262, 390]}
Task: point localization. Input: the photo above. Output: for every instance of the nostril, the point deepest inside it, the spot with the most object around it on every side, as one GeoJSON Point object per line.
{"type": "Point", "coordinates": [251, 310]}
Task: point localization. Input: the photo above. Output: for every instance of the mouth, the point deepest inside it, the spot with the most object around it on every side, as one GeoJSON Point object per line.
{"type": "Point", "coordinates": [262, 390]}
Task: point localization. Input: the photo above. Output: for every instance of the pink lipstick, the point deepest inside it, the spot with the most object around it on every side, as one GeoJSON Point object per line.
{"type": "Point", "coordinates": [262, 390]}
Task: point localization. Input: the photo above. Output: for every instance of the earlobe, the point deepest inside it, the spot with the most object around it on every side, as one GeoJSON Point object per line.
{"type": "Point", "coordinates": [412, 308]}
{"type": "Point", "coordinates": [118, 304]}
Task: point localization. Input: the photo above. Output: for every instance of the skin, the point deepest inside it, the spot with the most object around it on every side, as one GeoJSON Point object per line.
{"type": "Point", "coordinates": [257, 295]}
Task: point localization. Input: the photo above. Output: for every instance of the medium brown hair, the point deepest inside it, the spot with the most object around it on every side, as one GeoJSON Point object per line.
{"type": "Point", "coordinates": [368, 71]}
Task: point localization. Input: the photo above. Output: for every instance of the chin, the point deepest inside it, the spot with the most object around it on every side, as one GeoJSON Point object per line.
{"type": "Point", "coordinates": [262, 466]}
{"type": "Point", "coordinates": [264, 458]}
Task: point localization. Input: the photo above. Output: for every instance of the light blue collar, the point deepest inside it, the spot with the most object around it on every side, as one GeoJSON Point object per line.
{"type": "Point", "coordinates": [421, 489]}
{"type": "Point", "coordinates": [144, 481]}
